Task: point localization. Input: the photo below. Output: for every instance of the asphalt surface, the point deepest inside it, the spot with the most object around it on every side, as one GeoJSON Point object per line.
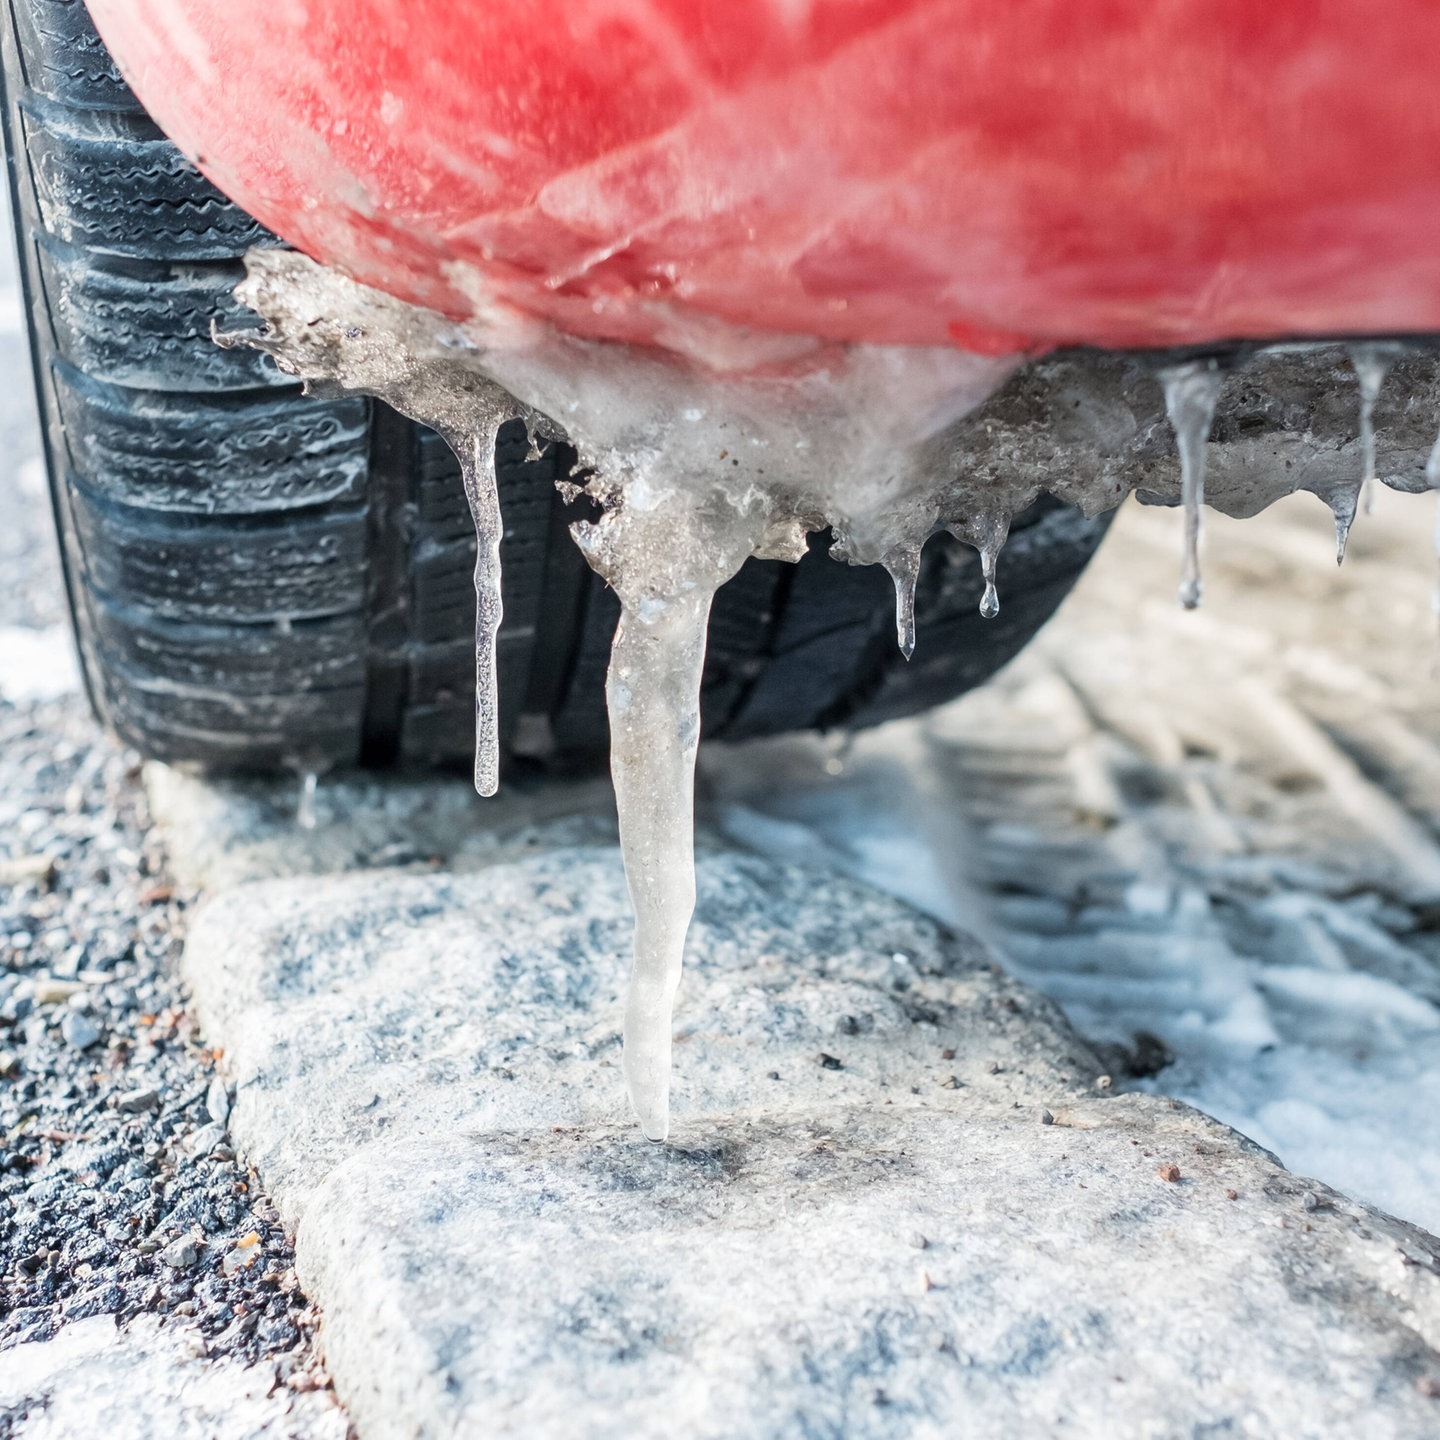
{"type": "Point", "coordinates": [119, 1194]}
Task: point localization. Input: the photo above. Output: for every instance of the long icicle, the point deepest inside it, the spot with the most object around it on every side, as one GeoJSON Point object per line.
{"type": "Point", "coordinates": [477, 468]}
{"type": "Point", "coordinates": [1191, 392]}
{"type": "Point", "coordinates": [653, 693]}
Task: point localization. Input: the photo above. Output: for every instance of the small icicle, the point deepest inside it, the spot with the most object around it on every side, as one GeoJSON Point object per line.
{"type": "Point", "coordinates": [993, 534]}
{"type": "Point", "coordinates": [477, 468]}
{"type": "Point", "coordinates": [1372, 364]}
{"type": "Point", "coordinates": [305, 815]}
{"type": "Point", "coordinates": [1343, 507]}
{"type": "Point", "coordinates": [904, 567]}
{"type": "Point", "coordinates": [1191, 392]}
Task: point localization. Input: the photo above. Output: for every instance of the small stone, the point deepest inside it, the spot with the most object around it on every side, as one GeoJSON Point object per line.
{"type": "Point", "coordinates": [135, 1102]}
{"type": "Point", "coordinates": [79, 1030]}
{"type": "Point", "coordinates": [1311, 1201]}
{"type": "Point", "coordinates": [1429, 1387]}
{"type": "Point", "coordinates": [1169, 1173]}
{"type": "Point", "coordinates": [1103, 1082]}
{"type": "Point", "coordinates": [9, 1064]}
{"type": "Point", "coordinates": [26, 870]}
{"type": "Point", "coordinates": [829, 1062]}
{"type": "Point", "coordinates": [204, 1140]}
{"type": "Point", "coordinates": [50, 991]}
{"type": "Point", "coordinates": [1232, 1194]}
{"type": "Point", "coordinates": [918, 1241]}
{"type": "Point", "coordinates": [1046, 1118]}
{"type": "Point", "coordinates": [245, 1253]}
{"type": "Point", "coordinates": [948, 1053]}
{"type": "Point", "coordinates": [184, 1254]}
{"type": "Point", "coordinates": [217, 1101]}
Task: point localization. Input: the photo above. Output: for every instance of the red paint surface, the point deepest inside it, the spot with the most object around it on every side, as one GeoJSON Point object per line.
{"type": "Point", "coordinates": [978, 172]}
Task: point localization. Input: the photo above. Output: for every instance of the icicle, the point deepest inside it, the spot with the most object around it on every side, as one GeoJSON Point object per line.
{"type": "Point", "coordinates": [653, 694]}
{"type": "Point", "coordinates": [904, 567]}
{"type": "Point", "coordinates": [1343, 507]}
{"type": "Point", "coordinates": [305, 816]}
{"type": "Point", "coordinates": [477, 467]}
{"type": "Point", "coordinates": [1372, 364]}
{"type": "Point", "coordinates": [993, 533]}
{"type": "Point", "coordinates": [1191, 391]}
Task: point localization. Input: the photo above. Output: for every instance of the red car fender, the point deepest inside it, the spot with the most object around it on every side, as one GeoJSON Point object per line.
{"type": "Point", "coordinates": [994, 174]}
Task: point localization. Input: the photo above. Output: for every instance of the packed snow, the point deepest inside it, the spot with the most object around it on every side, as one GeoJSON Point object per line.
{"type": "Point", "coordinates": [1211, 837]}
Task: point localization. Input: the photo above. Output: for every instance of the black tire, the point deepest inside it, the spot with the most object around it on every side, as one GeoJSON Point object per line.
{"type": "Point", "coordinates": [258, 578]}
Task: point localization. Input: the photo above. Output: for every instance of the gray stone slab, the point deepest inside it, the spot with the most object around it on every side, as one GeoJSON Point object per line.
{"type": "Point", "coordinates": [895, 1202]}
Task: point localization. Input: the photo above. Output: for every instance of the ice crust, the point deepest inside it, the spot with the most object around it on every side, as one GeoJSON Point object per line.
{"type": "Point", "coordinates": [696, 469]}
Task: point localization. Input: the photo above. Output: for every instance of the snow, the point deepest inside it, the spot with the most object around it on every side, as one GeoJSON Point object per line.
{"type": "Point", "coordinates": [36, 664]}
{"type": "Point", "coordinates": [1179, 825]}
{"type": "Point", "coordinates": [146, 1380]}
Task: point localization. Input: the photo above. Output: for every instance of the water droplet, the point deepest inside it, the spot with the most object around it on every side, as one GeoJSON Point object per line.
{"type": "Point", "coordinates": [1191, 392]}
{"type": "Point", "coordinates": [993, 534]}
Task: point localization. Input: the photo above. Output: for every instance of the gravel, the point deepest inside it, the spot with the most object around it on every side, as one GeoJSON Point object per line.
{"type": "Point", "coordinates": [119, 1192]}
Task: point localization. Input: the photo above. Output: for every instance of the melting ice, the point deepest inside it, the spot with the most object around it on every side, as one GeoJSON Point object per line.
{"type": "Point", "coordinates": [698, 464]}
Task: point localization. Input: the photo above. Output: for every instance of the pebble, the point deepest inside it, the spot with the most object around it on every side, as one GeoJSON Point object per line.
{"type": "Point", "coordinates": [48, 990]}
{"type": "Point", "coordinates": [135, 1102]}
{"type": "Point", "coordinates": [184, 1254]}
{"type": "Point", "coordinates": [26, 869]}
{"type": "Point", "coordinates": [79, 1030]}
{"type": "Point", "coordinates": [217, 1101]}
{"type": "Point", "coordinates": [204, 1140]}
{"type": "Point", "coordinates": [245, 1253]}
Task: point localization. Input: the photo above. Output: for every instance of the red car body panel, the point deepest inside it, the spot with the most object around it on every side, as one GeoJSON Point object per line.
{"type": "Point", "coordinates": [994, 174]}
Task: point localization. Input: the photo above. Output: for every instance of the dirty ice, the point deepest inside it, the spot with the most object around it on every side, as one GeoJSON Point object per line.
{"type": "Point", "coordinates": [695, 468]}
